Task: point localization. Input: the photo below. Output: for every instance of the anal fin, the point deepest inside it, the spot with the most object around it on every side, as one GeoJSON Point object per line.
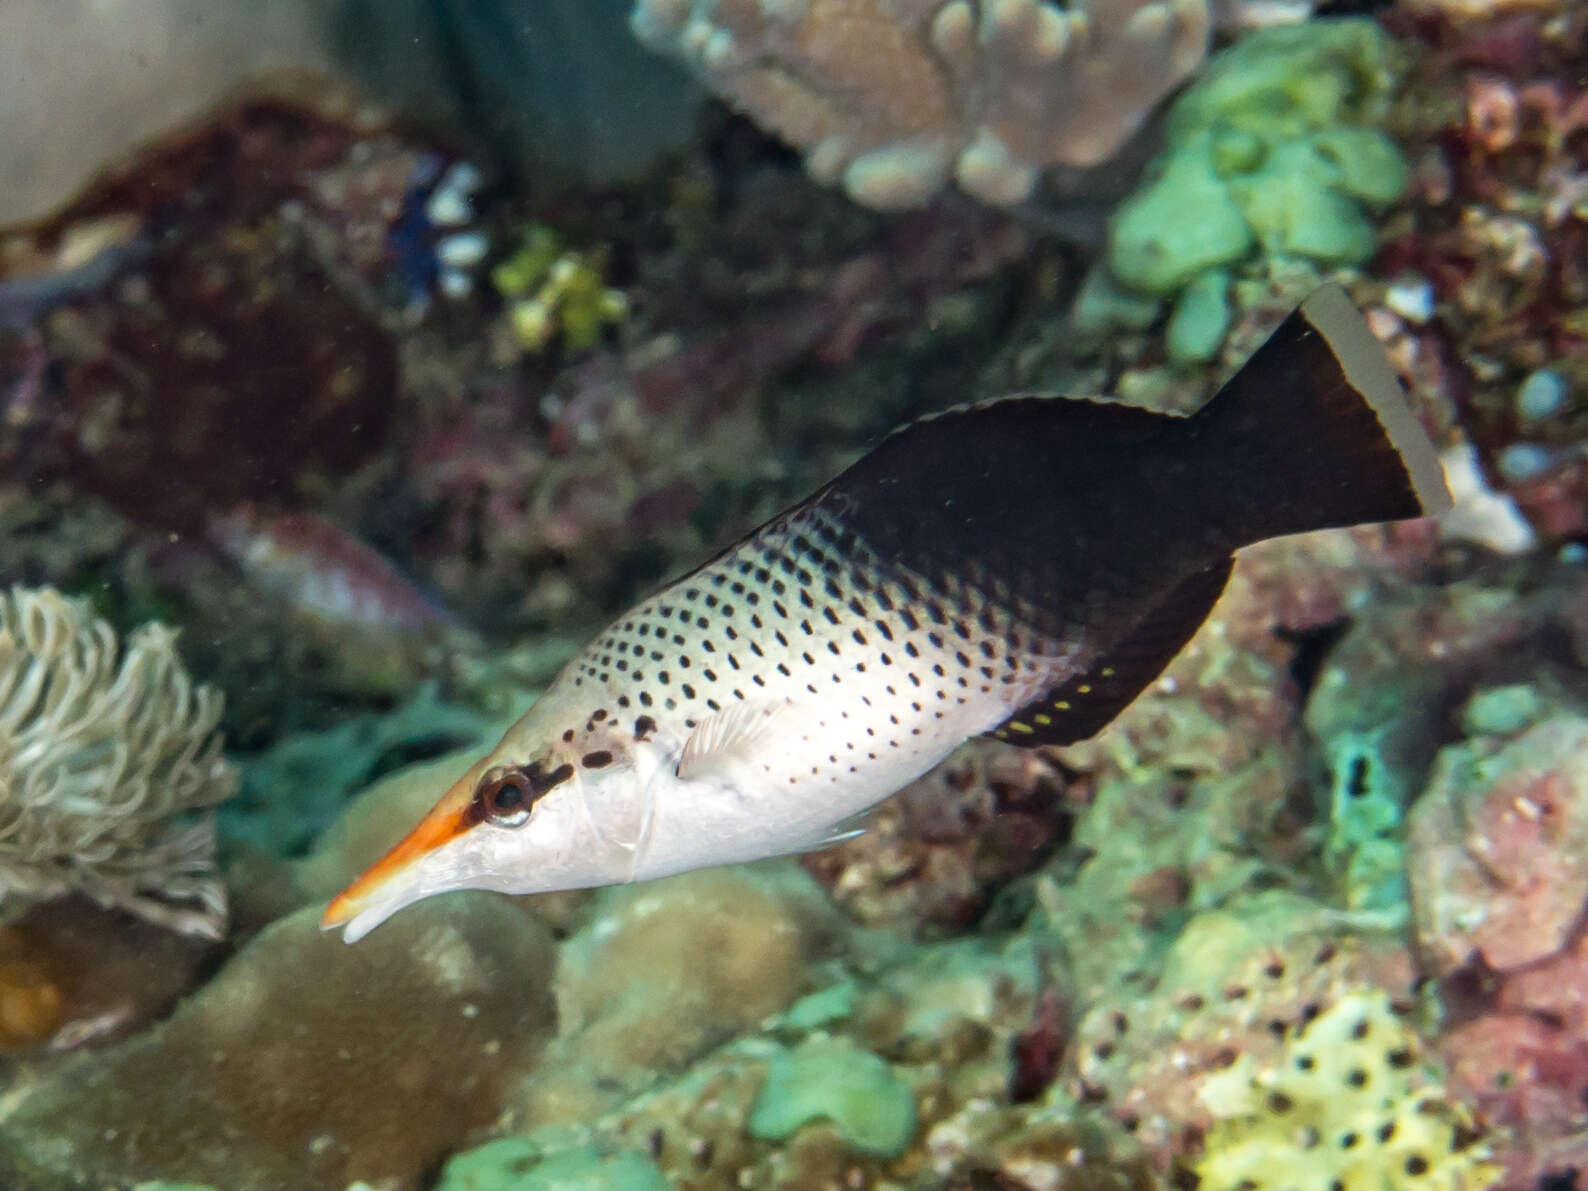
{"type": "Point", "coordinates": [1085, 703]}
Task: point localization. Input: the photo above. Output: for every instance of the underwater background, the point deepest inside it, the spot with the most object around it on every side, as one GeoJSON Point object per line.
{"type": "Point", "coordinates": [360, 361]}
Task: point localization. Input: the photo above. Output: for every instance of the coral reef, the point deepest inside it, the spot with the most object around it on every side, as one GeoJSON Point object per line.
{"type": "Point", "coordinates": [892, 99]}
{"type": "Point", "coordinates": [1494, 238]}
{"type": "Point", "coordinates": [300, 1062]}
{"type": "Point", "coordinates": [1234, 983]}
{"type": "Point", "coordinates": [1494, 866]}
{"type": "Point", "coordinates": [933, 857]}
{"type": "Point", "coordinates": [109, 761]}
{"type": "Point", "coordinates": [254, 383]}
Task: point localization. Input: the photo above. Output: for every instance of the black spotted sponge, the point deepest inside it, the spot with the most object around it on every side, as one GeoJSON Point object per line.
{"type": "Point", "coordinates": [1349, 1107]}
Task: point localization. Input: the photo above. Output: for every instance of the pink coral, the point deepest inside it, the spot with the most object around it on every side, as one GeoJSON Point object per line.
{"type": "Point", "coordinates": [1498, 850]}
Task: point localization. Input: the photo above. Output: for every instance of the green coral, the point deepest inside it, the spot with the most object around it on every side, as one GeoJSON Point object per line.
{"type": "Point", "coordinates": [871, 1109]}
{"type": "Point", "coordinates": [552, 290]}
{"type": "Point", "coordinates": [518, 1164]}
{"type": "Point", "coordinates": [1349, 1107]}
{"type": "Point", "coordinates": [1275, 149]}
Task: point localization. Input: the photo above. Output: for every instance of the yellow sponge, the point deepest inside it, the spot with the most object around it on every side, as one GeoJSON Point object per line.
{"type": "Point", "coordinates": [1350, 1108]}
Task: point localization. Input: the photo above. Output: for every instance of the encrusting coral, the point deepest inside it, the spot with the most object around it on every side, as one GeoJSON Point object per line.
{"type": "Point", "coordinates": [105, 751]}
{"type": "Point", "coordinates": [892, 97]}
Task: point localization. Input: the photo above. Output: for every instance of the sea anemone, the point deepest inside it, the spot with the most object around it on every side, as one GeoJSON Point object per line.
{"type": "Point", "coordinates": [109, 759]}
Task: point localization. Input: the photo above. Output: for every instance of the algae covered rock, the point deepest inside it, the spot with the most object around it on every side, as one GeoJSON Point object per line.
{"type": "Point", "coordinates": [305, 1063]}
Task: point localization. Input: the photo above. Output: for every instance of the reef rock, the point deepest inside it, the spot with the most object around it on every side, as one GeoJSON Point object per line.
{"type": "Point", "coordinates": [302, 1063]}
{"type": "Point", "coordinates": [1498, 849]}
{"type": "Point", "coordinates": [668, 969]}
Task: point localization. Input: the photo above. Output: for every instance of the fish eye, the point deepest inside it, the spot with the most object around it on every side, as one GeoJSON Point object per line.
{"type": "Point", "coordinates": [506, 794]}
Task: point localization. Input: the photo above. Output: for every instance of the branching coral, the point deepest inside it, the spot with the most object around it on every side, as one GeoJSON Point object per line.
{"type": "Point", "coordinates": [105, 751]}
{"type": "Point", "coordinates": [893, 96]}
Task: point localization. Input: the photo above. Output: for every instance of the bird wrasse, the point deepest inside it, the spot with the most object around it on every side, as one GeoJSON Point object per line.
{"type": "Point", "coordinates": [1022, 567]}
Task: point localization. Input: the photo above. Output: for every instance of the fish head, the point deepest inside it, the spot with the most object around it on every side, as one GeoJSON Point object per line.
{"type": "Point", "coordinates": [525, 818]}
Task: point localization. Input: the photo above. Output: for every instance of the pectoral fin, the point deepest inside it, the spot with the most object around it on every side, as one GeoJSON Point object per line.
{"type": "Point", "coordinates": [730, 737]}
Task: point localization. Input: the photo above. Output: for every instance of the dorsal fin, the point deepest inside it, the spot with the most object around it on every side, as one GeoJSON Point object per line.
{"type": "Point", "coordinates": [1085, 703]}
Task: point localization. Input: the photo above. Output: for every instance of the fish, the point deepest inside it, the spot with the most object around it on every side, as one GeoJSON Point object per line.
{"type": "Point", "coordinates": [1021, 567]}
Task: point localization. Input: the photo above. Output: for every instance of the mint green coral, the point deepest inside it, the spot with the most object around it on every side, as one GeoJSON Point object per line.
{"type": "Point", "coordinates": [518, 1164]}
{"type": "Point", "coordinates": [871, 1109]}
{"type": "Point", "coordinates": [1276, 149]}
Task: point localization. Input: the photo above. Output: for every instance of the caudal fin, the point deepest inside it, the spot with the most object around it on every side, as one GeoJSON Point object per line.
{"type": "Point", "coordinates": [1314, 431]}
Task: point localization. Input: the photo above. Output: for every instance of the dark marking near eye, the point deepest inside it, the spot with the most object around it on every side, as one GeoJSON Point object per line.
{"type": "Point", "coordinates": [507, 794]}
{"type": "Point", "coordinates": [643, 727]}
{"type": "Point", "coordinates": [599, 759]}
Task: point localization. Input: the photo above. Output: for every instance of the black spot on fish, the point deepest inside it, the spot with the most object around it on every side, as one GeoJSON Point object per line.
{"type": "Point", "coordinates": [599, 759]}
{"type": "Point", "coordinates": [567, 737]}
{"type": "Point", "coordinates": [643, 727]}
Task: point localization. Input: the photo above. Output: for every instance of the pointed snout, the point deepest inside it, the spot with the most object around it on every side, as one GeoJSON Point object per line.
{"type": "Point", "coordinates": [391, 882]}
